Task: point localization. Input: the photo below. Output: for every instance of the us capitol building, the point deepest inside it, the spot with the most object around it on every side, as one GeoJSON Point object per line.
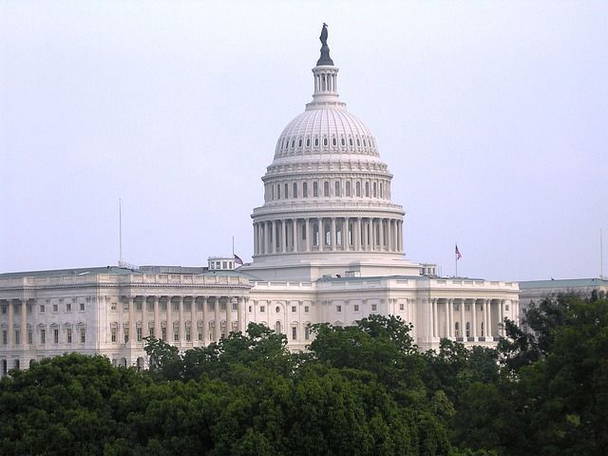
{"type": "Point", "coordinates": [328, 247]}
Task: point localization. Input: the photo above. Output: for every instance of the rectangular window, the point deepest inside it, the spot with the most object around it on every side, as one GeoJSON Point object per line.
{"type": "Point", "coordinates": [175, 334]}
{"type": "Point", "coordinates": [187, 334]}
{"type": "Point", "coordinates": [68, 307]}
{"type": "Point", "coordinates": [138, 306]}
{"type": "Point", "coordinates": [250, 309]}
{"type": "Point", "coordinates": [17, 337]}
{"type": "Point", "coordinates": [43, 336]}
{"type": "Point", "coordinates": [126, 335]}
{"type": "Point", "coordinates": [315, 189]}
{"type": "Point", "coordinates": [356, 307]}
{"type": "Point", "coordinates": [56, 336]}
{"type": "Point", "coordinates": [305, 190]}
{"type": "Point", "coordinates": [113, 331]}
{"type": "Point", "coordinates": [83, 335]}
{"type": "Point", "coordinates": [338, 308]}
{"type": "Point", "coordinates": [163, 334]}
{"type": "Point", "coordinates": [200, 333]}
{"type": "Point", "coordinates": [42, 309]}
{"type": "Point", "coordinates": [4, 337]}
{"type": "Point", "coordinates": [151, 331]}
{"type": "Point", "coordinates": [307, 332]}
{"type": "Point", "coordinates": [295, 190]}
{"type": "Point", "coordinates": [30, 337]}
{"type": "Point", "coordinates": [305, 309]}
{"type": "Point", "coordinates": [55, 307]}
{"type": "Point", "coordinates": [467, 307]}
{"type": "Point", "coordinates": [293, 308]}
{"type": "Point", "coordinates": [235, 306]}
{"type": "Point", "coordinates": [82, 306]}
{"type": "Point", "coordinates": [294, 333]}
{"type": "Point", "coordinates": [125, 306]}
{"type": "Point", "coordinates": [113, 306]}
{"type": "Point", "coordinates": [139, 334]}
{"type": "Point", "coordinates": [507, 307]}
{"type": "Point", "coordinates": [69, 335]}
{"type": "Point", "coordinates": [401, 306]}
{"type": "Point", "coordinates": [262, 309]}
{"type": "Point", "coordinates": [374, 307]}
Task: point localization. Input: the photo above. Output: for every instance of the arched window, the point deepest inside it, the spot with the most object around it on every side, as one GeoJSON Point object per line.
{"type": "Point", "coordinates": [334, 141]}
{"type": "Point", "coordinates": [325, 188]}
{"type": "Point", "coordinates": [305, 190]}
{"type": "Point", "coordinates": [315, 189]}
{"type": "Point", "coordinates": [278, 191]}
{"type": "Point", "coordinates": [381, 189]}
{"type": "Point", "coordinates": [286, 191]}
{"type": "Point", "coordinates": [350, 141]}
{"type": "Point", "coordinates": [358, 188]}
{"type": "Point", "coordinates": [307, 142]}
{"type": "Point", "coordinates": [277, 327]}
{"type": "Point", "coordinates": [277, 309]}
{"type": "Point", "coordinates": [316, 141]}
{"type": "Point", "coordinates": [337, 188]}
{"type": "Point", "coordinates": [343, 142]}
{"type": "Point", "coordinates": [347, 188]}
{"type": "Point", "coordinates": [375, 187]}
{"type": "Point", "coordinates": [300, 142]}
{"type": "Point", "coordinates": [293, 143]}
{"type": "Point", "coordinates": [294, 193]}
{"type": "Point", "coordinates": [325, 141]}
{"type": "Point", "coordinates": [366, 189]}
{"type": "Point", "coordinates": [358, 142]}
{"type": "Point", "coordinates": [364, 144]}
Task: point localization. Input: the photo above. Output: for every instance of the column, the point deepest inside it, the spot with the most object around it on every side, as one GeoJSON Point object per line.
{"type": "Point", "coordinates": [24, 323]}
{"type": "Point", "coordinates": [436, 319]}
{"type": "Point", "coordinates": [357, 234]}
{"type": "Point", "coordinates": [294, 223]}
{"type": "Point", "coordinates": [11, 324]}
{"type": "Point", "coordinates": [308, 234]}
{"type": "Point", "coordinates": [216, 324]}
{"type": "Point", "coordinates": [132, 330]}
{"type": "Point", "coordinates": [345, 235]}
{"type": "Point", "coordinates": [193, 319]}
{"type": "Point", "coordinates": [389, 237]}
{"type": "Point", "coordinates": [144, 317]}
{"type": "Point", "coordinates": [274, 237]}
{"type": "Point", "coordinates": [399, 237]}
{"type": "Point", "coordinates": [265, 232]}
{"type": "Point", "coordinates": [474, 323]}
{"type": "Point", "coordinates": [204, 319]}
{"type": "Point", "coordinates": [169, 321]}
{"type": "Point", "coordinates": [333, 233]}
{"type": "Point", "coordinates": [450, 304]}
{"type": "Point", "coordinates": [381, 234]}
{"type": "Point", "coordinates": [321, 233]}
{"type": "Point", "coordinates": [180, 333]}
{"type": "Point", "coordinates": [228, 316]}
{"type": "Point", "coordinates": [157, 332]}
{"type": "Point", "coordinates": [463, 327]}
{"type": "Point", "coordinates": [373, 234]}
{"type": "Point", "coordinates": [486, 315]}
{"type": "Point", "coordinates": [239, 313]}
{"type": "Point", "coordinates": [501, 328]}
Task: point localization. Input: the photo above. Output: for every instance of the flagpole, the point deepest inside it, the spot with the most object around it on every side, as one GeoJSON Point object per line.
{"type": "Point", "coordinates": [233, 246]}
{"type": "Point", "coordinates": [456, 263]}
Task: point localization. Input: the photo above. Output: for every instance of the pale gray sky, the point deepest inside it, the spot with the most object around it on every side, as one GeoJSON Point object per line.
{"type": "Point", "coordinates": [493, 117]}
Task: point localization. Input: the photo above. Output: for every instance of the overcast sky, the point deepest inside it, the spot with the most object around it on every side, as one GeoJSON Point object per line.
{"type": "Point", "coordinates": [492, 116]}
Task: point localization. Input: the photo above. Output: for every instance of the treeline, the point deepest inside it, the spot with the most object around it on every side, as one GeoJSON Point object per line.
{"type": "Point", "coordinates": [362, 390]}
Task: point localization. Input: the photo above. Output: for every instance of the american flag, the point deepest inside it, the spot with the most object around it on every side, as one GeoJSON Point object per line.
{"type": "Point", "coordinates": [458, 254]}
{"type": "Point", "coordinates": [237, 259]}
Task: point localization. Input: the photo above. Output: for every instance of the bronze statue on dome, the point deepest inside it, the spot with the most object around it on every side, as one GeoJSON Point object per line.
{"type": "Point", "coordinates": [325, 58]}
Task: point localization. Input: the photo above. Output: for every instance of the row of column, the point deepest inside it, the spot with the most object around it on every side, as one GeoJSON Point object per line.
{"type": "Point", "coordinates": [487, 325]}
{"type": "Point", "coordinates": [210, 312]}
{"type": "Point", "coordinates": [293, 235]}
{"type": "Point", "coordinates": [11, 335]}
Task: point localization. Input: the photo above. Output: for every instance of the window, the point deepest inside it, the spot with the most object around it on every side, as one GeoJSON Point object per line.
{"type": "Point", "coordinates": [151, 331]}
{"type": "Point", "coordinates": [347, 188]}
{"type": "Point", "coordinates": [325, 188]}
{"type": "Point", "coordinates": [17, 364]}
{"type": "Point", "coordinates": [315, 189]}
{"type": "Point", "coordinates": [306, 332]}
{"type": "Point", "coordinates": [367, 189]}
{"type": "Point", "coordinates": [262, 309]}
{"type": "Point", "coordinates": [337, 188]}
{"type": "Point", "coordinates": [356, 307]}
{"type": "Point", "coordinates": [294, 333]}
{"type": "Point", "coordinates": [456, 307]}
{"type": "Point", "coordinates": [56, 336]}
{"type": "Point", "coordinates": [175, 334]}
{"type": "Point", "coordinates": [113, 306]}
{"type": "Point", "coordinates": [4, 310]}
{"type": "Point", "coordinates": [82, 306]}
{"type": "Point", "coordinates": [316, 141]}
{"type": "Point", "coordinates": [187, 333]}
{"type": "Point", "coordinates": [381, 190]}
{"type": "Point", "coordinates": [401, 306]}
{"type": "Point", "coordinates": [4, 337]}
{"type": "Point", "coordinates": [113, 331]}
{"type": "Point", "coordinates": [235, 306]}
{"type": "Point", "coordinates": [126, 335]}
{"type": "Point", "coordinates": [139, 334]}
{"type": "Point", "coordinates": [305, 190]}
{"type": "Point", "coordinates": [68, 333]}
{"type": "Point", "coordinates": [294, 193]}
{"type": "Point", "coordinates": [250, 307]}
{"type": "Point", "coordinates": [374, 307]}
{"type": "Point", "coordinates": [457, 329]}
{"type": "Point", "coordinates": [277, 309]}
{"type": "Point", "coordinates": [279, 191]}
{"type": "Point", "coordinates": [338, 308]}
{"type": "Point", "coordinates": [307, 142]}
{"type": "Point", "coordinates": [125, 306]}
{"type": "Point", "coordinates": [277, 327]}
{"type": "Point", "coordinates": [375, 188]}
{"type": "Point", "coordinates": [286, 191]}
{"type": "Point", "coordinates": [200, 333]}
{"type": "Point", "coordinates": [467, 307]}
{"type": "Point", "coordinates": [507, 307]}
{"type": "Point", "coordinates": [468, 329]}
{"type": "Point", "coordinates": [300, 143]}
{"type": "Point", "coordinates": [83, 335]}
{"type": "Point", "coordinates": [17, 337]}
{"type": "Point", "coordinates": [55, 307]}
{"type": "Point", "coordinates": [343, 142]}
{"type": "Point", "coordinates": [42, 308]}
{"type": "Point", "coordinates": [325, 141]}
{"type": "Point", "coordinates": [163, 334]}
{"type": "Point", "coordinates": [293, 308]}
{"type": "Point", "coordinates": [358, 142]}
{"type": "Point", "coordinates": [30, 337]}
{"type": "Point", "coordinates": [224, 266]}
{"type": "Point", "coordinates": [138, 306]}
{"type": "Point", "coordinates": [305, 309]}
{"type": "Point", "coordinates": [358, 188]}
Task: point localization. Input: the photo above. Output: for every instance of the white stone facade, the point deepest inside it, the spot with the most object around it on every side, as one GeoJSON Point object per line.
{"type": "Point", "coordinates": [328, 247]}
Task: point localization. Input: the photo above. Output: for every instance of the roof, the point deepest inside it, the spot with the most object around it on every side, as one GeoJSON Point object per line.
{"type": "Point", "coordinates": [564, 283]}
{"type": "Point", "coordinates": [114, 270]}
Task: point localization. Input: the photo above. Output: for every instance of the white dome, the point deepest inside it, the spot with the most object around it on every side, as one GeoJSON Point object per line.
{"type": "Point", "coordinates": [325, 131]}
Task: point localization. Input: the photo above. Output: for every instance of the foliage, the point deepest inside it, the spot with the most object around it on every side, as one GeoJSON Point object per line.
{"type": "Point", "coordinates": [360, 390]}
